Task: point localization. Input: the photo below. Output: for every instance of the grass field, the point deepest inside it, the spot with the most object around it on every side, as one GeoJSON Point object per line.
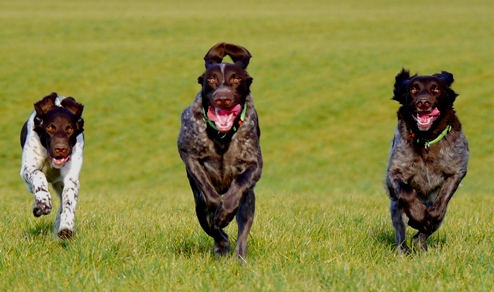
{"type": "Point", "coordinates": [323, 74]}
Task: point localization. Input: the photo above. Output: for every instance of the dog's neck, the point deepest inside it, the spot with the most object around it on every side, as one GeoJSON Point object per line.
{"type": "Point", "coordinates": [427, 143]}
{"type": "Point", "coordinates": [221, 141]}
{"type": "Point", "coordinates": [444, 125]}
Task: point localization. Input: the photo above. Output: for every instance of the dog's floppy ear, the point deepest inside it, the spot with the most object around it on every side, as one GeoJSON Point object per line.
{"type": "Point", "coordinates": [249, 80]}
{"type": "Point", "coordinates": [42, 107]}
{"type": "Point", "coordinates": [240, 56]}
{"type": "Point", "coordinates": [75, 108]}
{"type": "Point", "coordinates": [79, 126]}
{"type": "Point", "coordinates": [446, 77]}
{"type": "Point", "coordinates": [200, 79]}
{"type": "Point", "coordinates": [400, 87]}
{"type": "Point", "coordinates": [47, 103]}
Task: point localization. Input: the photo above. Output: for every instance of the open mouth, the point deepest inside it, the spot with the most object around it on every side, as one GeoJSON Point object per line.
{"type": "Point", "coordinates": [223, 118]}
{"type": "Point", "coordinates": [425, 119]}
{"type": "Point", "coordinates": [59, 162]}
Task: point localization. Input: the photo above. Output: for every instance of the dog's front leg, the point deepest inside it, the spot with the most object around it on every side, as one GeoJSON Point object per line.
{"type": "Point", "coordinates": [64, 226]}
{"type": "Point", "coordinates": [38, 185]}
{"type": "Point", "coordinates": [437, 211]}
{"type": "Point", "coordinates": [34, 156]}
{"type": "Point", "coordinates": [414, 208]}
{"type": "Point", "coordinates": [398, 218]}
{"type": "Point", "coordinates": [68, 191]}
{"type": "Point", "coordinates": [231, 199]}
{"type": "Point", "coordinates": [198, 174]}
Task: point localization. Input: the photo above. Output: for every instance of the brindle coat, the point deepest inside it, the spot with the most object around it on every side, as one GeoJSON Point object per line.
{"type": "Point", "coordinates": [421, 179]}
{"type": "Point", "coordinates": [223, 168]}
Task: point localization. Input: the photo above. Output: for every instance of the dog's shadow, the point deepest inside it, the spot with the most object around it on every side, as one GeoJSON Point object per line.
{"type": "Point", "coordinates": [386, 238]}
{"type": "Point", "coordinates": [41, 228]}
{"type": "Point", "coordinates": [191, 245]}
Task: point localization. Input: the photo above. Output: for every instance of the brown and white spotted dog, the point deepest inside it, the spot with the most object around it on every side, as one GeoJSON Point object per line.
{"type": "Point", "coordinates": [52, 152]}
{"type": "Point", "coordinates": [219, 145]}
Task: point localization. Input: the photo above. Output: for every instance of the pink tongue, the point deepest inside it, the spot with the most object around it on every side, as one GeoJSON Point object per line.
{"type": "Point", "coordinates": [60, 162]}
{"type": "Point", "coordinates": [424, 117]}
{"type": "Point", "coordinates": [223, 119]}
{"type": "Point", "coordinates": [435, 112]}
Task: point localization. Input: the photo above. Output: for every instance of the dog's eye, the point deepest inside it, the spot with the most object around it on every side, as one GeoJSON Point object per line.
{"type": "Point", "coordinates": [211, 80]}
{"type": "Point", "coordinates": [435, 90]}
{"type": "Point", "coordinates": [414, 90]}
{"type": "Point", "coordinates": [69, 130]}
{"type": "Point", "coordinates": [51, 128]}
{"type": "Point", "coordinates": [236, 80]}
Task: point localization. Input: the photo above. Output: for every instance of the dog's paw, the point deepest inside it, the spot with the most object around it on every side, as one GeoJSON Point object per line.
{"type": "Point", "coordinates": [223, 216]}
{"type": "Point", "coordinates": [436, 216]}
{"type": "Point", "coordinates": [221, 248]}
{"type": "Point", "coordinates": [403, 250]}
{"type": "Point", "coordinates": [63, 228]}
{"type": "Point", "coordinates": [424, 226]}
{"type": "Point", "coordinates": [42, 205]}
{"type": "Point", "coordinates": [65, 234]}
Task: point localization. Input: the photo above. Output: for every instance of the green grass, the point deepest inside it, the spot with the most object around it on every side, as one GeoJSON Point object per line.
{"type": "Point", "coordinates": [323, 74]}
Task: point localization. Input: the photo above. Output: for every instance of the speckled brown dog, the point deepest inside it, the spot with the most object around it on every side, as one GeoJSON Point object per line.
{"type": "Point", "coordinates": [429, 155]}
{"type": "Point", "coordinates": [219, 144]}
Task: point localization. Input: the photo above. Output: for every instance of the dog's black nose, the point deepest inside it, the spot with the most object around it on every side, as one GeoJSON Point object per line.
{"type": "Point", "coordinates": [223, 102]}
{"type": "Point", "coordinates": [61, 150]}
{"type": "Point", "coordinates": [423, 104]}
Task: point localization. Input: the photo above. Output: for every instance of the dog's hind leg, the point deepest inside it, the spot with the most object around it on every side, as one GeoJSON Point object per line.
{"type": "Point", "coordinates": [245, 218]}
{"type": "Point", "coordinates": [399, 222]}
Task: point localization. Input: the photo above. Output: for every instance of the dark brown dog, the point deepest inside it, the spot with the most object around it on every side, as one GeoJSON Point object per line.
{"type": "Point", "coordinates": [53, 145]}
{"type": "Point", "coordinates": [219, 144]}
{"type": "Point", "coordinates": [429, 155]}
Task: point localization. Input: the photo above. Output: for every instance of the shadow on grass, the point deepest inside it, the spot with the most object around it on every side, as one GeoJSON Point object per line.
{"type": "Point", "coordinates": [41, 228]}
{"type": "Point", "coordinates": [386, 238]}
{"type": "Point", "coordinates": [44, 229]}
{"type": "Point", "coordinates": [191, 245]}
{"type": "Point", "coordinates": [437, 240]}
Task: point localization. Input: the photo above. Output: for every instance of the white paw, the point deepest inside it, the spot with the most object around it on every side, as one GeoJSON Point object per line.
{"type": "Point", "coordinates": [42, 204]}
